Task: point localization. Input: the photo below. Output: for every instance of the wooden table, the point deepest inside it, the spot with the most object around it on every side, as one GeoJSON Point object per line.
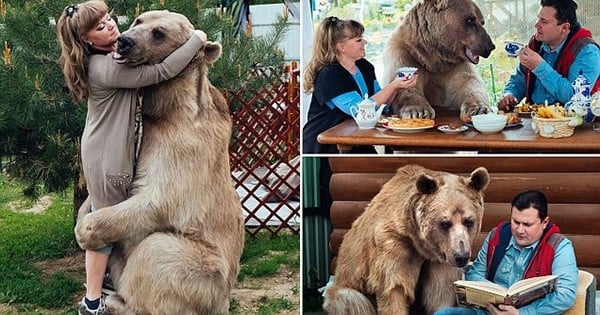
{"type": "Point", "coordinates": [511, 140]}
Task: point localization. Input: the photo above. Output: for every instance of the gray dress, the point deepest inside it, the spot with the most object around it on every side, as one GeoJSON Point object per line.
{"type": "Point", "coordinates": [108, 141]}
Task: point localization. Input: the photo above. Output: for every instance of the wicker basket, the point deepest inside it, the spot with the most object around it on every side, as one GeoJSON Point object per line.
{"type": "Point", "coordinates": [552, 127]}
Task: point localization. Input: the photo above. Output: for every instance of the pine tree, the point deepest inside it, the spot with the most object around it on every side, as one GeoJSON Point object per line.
{"type": "Point", "coordinates": [40, 126]}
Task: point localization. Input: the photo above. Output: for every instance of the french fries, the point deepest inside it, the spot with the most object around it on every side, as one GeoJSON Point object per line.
{"type": "Point", "coordinates": [552, 111]}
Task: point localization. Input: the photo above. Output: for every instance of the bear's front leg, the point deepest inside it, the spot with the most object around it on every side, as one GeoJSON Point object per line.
{"type": "Point", "coordinates": [410, 104]}
{"type": "Point", "coordinates": [437, 290]}
{"type": "Point", "coordinates": [468, 109]}
{"type": "Point", "coordinates": [395, 302]}
{"type": "Point", "coordinates": [94, 230]}
{"type": "Point", "coordinates": [468, 91]}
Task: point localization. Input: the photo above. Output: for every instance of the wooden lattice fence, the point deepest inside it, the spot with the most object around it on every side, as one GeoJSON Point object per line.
{"type": "Point", "coordinates": [264, 152]}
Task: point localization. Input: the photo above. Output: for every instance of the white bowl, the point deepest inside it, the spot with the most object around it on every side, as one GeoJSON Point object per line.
{"type": "Point", "coordinates": [489, 123]}
{"type": "Point", "coordinates": [406, 71]}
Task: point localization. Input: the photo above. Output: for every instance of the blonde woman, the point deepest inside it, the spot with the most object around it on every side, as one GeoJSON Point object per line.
{"type": "Point", "coordinates": [88, 37]}
{"type": "Point", "coordinates": [338, 75]}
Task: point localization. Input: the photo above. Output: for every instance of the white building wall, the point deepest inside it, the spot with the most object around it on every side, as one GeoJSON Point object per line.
{"type": "Point", "coordinates": [264, 15]}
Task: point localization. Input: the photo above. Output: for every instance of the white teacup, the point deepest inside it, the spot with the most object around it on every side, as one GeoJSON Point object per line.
{"type": "Point", "coordinates": [513, 49]}
{"type": "Point", "coordinates": [407, 72]}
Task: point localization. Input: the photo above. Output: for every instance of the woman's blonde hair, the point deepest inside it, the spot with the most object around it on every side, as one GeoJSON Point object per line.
{"type": "Point", "coordinates": [329, 32]}
{"type": "Point", "coordinates": [75, 21]}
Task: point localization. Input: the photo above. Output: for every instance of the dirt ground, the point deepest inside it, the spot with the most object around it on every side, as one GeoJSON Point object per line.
{"type": "Point", "coordinates": [248, 293]}
{"type": "Point", "coordinates": [286, 284]}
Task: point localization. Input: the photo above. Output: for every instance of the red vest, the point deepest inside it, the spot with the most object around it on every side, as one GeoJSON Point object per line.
{"type": "Point", "coordinates": [541, 262]}
{"type": "Point", "coordinates": [575, 41]}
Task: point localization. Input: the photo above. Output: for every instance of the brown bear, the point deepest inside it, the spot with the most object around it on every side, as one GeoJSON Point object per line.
{"type": "Point", "coordinates": [406, 249]}
{"type": "Point", "coordinates": [443, 39]}
{"type": "Point", "coordinates": [179, 237]}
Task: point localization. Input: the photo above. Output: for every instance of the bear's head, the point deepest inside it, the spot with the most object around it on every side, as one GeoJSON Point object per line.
{"type": "Point", "coordinates": [457, 26]}
{"type": "Point", "coordinates": [447, 211]}
{"type": "Point", "coordinates": [154, 35]}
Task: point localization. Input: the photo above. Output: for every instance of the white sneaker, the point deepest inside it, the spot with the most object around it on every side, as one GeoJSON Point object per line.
{"type": "Point", "coordinates": [84, 310]}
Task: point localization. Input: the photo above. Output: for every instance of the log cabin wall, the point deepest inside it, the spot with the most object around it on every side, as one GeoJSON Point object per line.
{"type": "Point", "coordinates": [571, 184]}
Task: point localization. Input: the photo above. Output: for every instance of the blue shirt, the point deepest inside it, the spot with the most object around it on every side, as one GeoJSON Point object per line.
{"type": "Point", "coordinates": [349, 99]}
{"type": "Point", "coordinates": [551, 85]}
{"type": "Point", "coordinates": [512, 267]}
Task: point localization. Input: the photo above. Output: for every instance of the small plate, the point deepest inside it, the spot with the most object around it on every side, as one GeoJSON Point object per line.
{"type": "Point", "coordinates": [447, 129]}
{"type": "Point", "coordinates": [382, 122]}
{"type": "Point", "coordinates": [409, 130]}
{"type": "Point", "coordinates": [527, 114]}
{"type": "Point", "coordinates": [519, 123]}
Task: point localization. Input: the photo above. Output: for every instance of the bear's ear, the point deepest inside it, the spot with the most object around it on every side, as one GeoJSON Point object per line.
{"type": "Point", "coordinates": [480, 178]}
{"type": "Point", "coordinates": [212, 52]}
{"type": "Point", "coordinates": [439, 4]}
{"type": "Point", "coordinates": [426, 184]}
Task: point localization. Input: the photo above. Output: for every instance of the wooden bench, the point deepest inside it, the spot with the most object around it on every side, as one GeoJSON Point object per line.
{"type": "Point", "coordinates": [571, 184]}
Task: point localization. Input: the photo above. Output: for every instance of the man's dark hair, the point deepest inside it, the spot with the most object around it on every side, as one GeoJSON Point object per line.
{"type": "Point", "coordinates": [532, 199]}
{"type": "Point", "coordinates": [565, 10]}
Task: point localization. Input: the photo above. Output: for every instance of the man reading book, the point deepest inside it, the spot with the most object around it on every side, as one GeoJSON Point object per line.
{"type": "Point", "coordinates": [527, 246]}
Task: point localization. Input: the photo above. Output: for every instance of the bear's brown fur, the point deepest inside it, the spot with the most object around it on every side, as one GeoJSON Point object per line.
{"type": "Point", "coordinates": [179, 237]}
{"type": "Point", "coordinates": [409, 244]}
{"type": "Point", "coordinates": [442, 39]}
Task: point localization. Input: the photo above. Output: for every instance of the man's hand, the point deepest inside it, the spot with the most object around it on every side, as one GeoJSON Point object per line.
{"type": "Point", "coordinates": [529, 58]}
{"type": "Point", "coordinates": [507, 102]}
{"type": "Point", "coordinates": [502, 309]}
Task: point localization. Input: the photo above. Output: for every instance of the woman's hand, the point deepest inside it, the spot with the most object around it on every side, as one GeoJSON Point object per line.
{"type": "Point", "coordinates": [386, 95]}
{"type": "Point", "coordinates": [405, 82]}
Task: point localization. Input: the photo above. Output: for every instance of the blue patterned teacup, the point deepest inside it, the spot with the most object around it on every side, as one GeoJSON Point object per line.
{"type": "Point", "coordinates": [513, 48]}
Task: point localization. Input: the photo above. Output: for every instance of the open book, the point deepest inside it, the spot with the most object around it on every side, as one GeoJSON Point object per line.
{"type": "Point", "coordinates": [478, 293]}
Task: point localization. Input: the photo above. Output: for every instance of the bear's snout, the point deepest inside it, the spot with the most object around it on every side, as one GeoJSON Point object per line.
{"type": "Point", "coordinates": [124, 44]}
{"type": "Point", "coordinates": [487, 50]}
{"type": "Point", "coordinates": [461, 260]}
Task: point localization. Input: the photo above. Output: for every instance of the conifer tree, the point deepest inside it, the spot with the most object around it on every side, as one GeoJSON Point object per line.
{"type": "Point", "coordinates": [40, 125]}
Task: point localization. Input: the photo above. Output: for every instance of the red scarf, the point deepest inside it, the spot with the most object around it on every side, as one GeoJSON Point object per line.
{"type": "Point", "coordinates": [578, 37]}
{"type": "Point", "coordinates": [540, 264]}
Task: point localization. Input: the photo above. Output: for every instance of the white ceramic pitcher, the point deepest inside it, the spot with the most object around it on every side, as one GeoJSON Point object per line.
{"type": "Point", "coordinates": [366, 114]}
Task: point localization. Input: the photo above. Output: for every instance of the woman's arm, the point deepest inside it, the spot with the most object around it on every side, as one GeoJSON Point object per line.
{"type": "Point", "coordinates": [385, 95]}
{"type": "Point", "coordinates": [105, 71]}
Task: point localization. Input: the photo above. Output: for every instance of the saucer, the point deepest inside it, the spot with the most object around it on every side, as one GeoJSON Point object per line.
{"type": "Point", "coordinates": [448, 130]}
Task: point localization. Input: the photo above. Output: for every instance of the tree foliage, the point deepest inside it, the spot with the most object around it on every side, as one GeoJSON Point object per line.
{"type": "Point", "coordinates": [40, 126]}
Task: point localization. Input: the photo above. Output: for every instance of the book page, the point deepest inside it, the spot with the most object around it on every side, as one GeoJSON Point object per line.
{"type": "Point", "coordinates": [475, 297]}
{"type": "Point", "coordinates": [532, 294]}
{"type": "Point", "coordinates": [483, 285]}
{"type": "Point", "coordinates": [527, 284]}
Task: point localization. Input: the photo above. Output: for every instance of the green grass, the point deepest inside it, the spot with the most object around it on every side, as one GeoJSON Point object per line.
{"type": "Point", "coordinates": [274, 306]}
{"type": "Point", "coordinates": [27, 238]}
{"type": "Point", "coordinates": [264, 255]}
{"type": "Point", "coordinates": [30, 238]}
